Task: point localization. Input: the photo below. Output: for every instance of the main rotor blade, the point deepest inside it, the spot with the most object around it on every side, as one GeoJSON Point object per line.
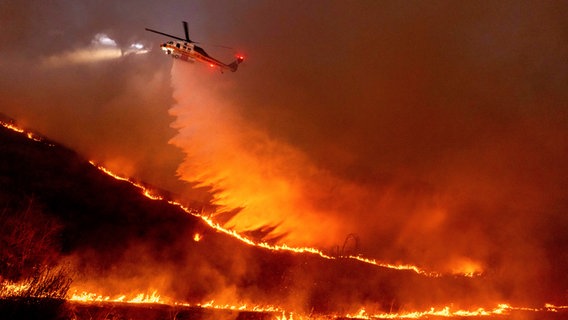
{"type": "Point", "coordinates": [186, 31]}
{"type": "Point", "coordinates": [167, 35]}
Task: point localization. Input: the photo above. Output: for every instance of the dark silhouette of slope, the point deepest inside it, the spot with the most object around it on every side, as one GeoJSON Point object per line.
{"type": "Point", "coordinates": [122, 241]}
{"type": "Point", "coordinates": [98, 211]}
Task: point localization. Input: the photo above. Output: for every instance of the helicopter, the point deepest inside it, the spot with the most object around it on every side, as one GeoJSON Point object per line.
{"type": "Point", "coordinates": [187, 50]}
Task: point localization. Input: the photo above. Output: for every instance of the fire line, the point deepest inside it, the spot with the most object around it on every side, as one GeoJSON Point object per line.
{"type": "Point", "coordinates": [278, 247]}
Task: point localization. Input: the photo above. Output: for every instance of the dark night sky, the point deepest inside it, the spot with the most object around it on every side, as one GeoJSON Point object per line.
{"type": "Point", "coordinates": [435, 130]}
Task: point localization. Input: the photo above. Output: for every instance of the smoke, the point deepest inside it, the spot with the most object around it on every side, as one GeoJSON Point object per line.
{"type": "Point", "coordinates": [101, 48]}
{"type": "Point", "coordinates": [77, 73]}
{"type": "Point", "coordinates": [435, 132]}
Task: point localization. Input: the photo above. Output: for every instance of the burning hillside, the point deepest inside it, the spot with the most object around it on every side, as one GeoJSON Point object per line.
{"type": "Point", "coordinates": [120, 242]}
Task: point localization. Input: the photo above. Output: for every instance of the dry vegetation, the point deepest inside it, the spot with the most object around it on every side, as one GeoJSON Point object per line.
{"type": "Point", "coordinates": [32, 284]}
{"type": "Point", "coordinates": [29, 255]}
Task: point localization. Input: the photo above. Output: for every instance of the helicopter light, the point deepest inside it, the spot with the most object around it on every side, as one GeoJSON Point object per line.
{"type": "Point", "coordinates": [104, 40]}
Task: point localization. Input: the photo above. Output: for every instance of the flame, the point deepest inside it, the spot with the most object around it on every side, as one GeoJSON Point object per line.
{"type": "Point", "coordinates": [30, 135]}
{"type": "Point", "coordinates": [447, 312]}
{"type": "Point", "coordinates": [12, 289]}
{"type": "Point", "coordinates": [502, 309]}
{"type": "Point", "coordinates": [398, 267]}
{"type": "Point", "coordinates": [89, 297]}
{"type": "Point", "coordinates": [197, 237]}
{"type": "Point", "coordinates": [467, 267]}
{"type": "Point", "coordinates": [553, 308]}
{"type": "Point", "coordinates": [155, 298]}
{"type": "Point", "coordinates": [145, 191]}
{"type": "Point", "coordinates": [241, 307]}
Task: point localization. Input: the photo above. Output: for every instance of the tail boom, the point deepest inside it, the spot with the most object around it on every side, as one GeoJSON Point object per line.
{"type": "Point", "coordinates": [233, 66]}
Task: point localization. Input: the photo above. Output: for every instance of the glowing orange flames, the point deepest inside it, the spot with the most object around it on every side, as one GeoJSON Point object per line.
{"type": "Point", "coordinates": [155, 297]}
{"type": "Point", "coordinates": [502, 309]}
{"type": "Point", "coordinates": [444, 312]}
{"type": "Point", "coordinates": [28, 134]}
{"type": "Point", "coordinates": [279, 247]}
{"type": "Point", "coordinates": [241, 307]}
{"type": "Point", "coordinates": [553, 308]}
{"type": "Point", "coordinates": [152, 297]}
{"type": "Point", "coordinates": [11, 289]}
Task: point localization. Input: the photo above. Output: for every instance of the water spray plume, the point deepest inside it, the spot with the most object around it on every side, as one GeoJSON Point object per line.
{"type": "Point", "coordinates": [267, 180]}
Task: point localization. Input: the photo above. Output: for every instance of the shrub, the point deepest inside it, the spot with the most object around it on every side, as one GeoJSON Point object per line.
{"type": "Point", "coordinates": [29, 254]}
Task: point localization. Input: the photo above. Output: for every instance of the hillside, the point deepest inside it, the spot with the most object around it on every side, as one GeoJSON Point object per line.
{"type": "Point", "coordinates": [117, 241]}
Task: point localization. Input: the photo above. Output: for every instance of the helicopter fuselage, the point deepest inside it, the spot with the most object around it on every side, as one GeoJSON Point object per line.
{"type": "Point", "coordinates": [190, 52]}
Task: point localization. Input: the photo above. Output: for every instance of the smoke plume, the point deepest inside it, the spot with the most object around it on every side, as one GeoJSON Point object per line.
{"type": "Point", "coordinates": [433, 131]}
